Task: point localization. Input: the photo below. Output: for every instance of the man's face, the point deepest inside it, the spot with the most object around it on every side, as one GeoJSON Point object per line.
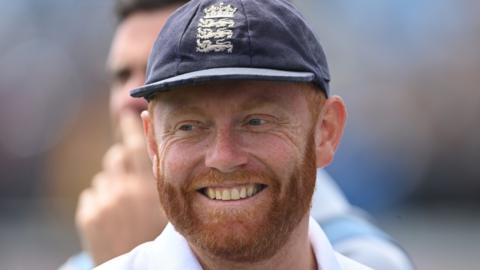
{"type": "Point", "coordinates": [236, 164]}
{"type": "Point", "coordinates": [128, 58]}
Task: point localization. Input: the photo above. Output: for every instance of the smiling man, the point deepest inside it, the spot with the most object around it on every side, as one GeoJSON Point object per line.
{"type": "Point", "coordinates": [240, 117]}
{"type": "Point", "coordinates": [236, 165]}
{"type": "Point", "coordinates": [120, 209]}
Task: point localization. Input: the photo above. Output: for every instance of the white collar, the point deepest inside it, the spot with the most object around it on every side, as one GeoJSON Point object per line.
{"type": "Point", "coordinates": [324, 253]}
{"type": "Point", "coordinates": [171, 250]}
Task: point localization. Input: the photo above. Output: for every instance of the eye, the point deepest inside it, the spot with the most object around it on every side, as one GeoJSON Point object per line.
{"type": "Point", "coordinates": [259, 123]}
{"type": "Point", "coordinates": [189, 127]}
{"type": "Point", "coordinates": [121, 76]}
{"type": "Point", "coordinates": [186, 127]}
{"type": "Point", "coordinates": [256, 122]}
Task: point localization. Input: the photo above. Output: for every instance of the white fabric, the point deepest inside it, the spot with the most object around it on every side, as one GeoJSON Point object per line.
{"type": "Point", "coordinates": [375, 252]}
{"type": "Point", "coordinates": [328, 200]}
{"type": "Point", "coordinates": [170, 251]}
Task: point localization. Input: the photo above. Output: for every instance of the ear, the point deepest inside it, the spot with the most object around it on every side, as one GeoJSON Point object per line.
{"type": "Point", "coordinates": [152, 146]}
{"type": "Point", "coordinates": [329, 130]}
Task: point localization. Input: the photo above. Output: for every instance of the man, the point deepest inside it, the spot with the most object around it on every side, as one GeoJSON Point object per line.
{"type": "Point", "coordinates": [239, 119]}
{"type": "Point", "coordinates": [116, 213]}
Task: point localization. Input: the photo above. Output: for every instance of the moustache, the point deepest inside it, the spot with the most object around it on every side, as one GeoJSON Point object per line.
{"type": "Point", "coordinates": [213, 177]}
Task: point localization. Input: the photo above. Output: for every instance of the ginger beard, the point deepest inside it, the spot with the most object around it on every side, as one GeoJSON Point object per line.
{"type": "Point", "coordinates": [248, 235]}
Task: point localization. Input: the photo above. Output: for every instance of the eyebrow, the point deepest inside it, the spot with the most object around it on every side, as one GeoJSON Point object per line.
{"type": "Point", "coordinates": [184, 109]}
{"type": "Point", "coordinates": [262, 101]}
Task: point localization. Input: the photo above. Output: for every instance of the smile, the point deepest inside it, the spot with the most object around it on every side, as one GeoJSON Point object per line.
{"type": "Point", "coordinates": [232, 193]}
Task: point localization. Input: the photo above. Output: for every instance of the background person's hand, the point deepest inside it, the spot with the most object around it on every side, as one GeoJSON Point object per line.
{"type": "Point", "coordinates": [121, 209]}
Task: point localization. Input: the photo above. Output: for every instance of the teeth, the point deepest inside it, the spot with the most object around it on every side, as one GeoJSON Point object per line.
{"type": "Point", "coordinates": [250, 190]}
{"type": "Point", "coordinates": [226, 195]}
{"type": "Point", "coordinates": [243, 192]}
{"type": "Point", "coordinates": [211, 193]}
{"type": "Point", "coordinates": [232, 194]}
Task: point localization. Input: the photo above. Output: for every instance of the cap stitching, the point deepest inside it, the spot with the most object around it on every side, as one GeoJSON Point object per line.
{"type": "Point", "coordinates": [248, 32]}
{"type": "Point", "coordinates": [178, 57]}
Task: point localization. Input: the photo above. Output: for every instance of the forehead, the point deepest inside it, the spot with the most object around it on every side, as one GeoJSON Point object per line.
{"type": "Point", "coordinates": [234, 94]}
{"type": "Point", "coordinates": [134, 37]}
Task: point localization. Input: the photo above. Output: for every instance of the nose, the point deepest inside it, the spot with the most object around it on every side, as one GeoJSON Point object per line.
{"type": "Point", "coordinates": [225, 152]}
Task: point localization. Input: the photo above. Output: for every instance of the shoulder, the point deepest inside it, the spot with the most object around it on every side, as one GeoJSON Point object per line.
{"type": "Point", "coordinates": [80, 261]}
{"type": "Point", "coordinates": [376, 252]}
{"type": "Point", "coordinates": [328, 200]}
{"type": "Point", "coordinates": [169, 251]}
{"type": "Point", "coordinates": [326, 257]}
{"type": "Point", "coordinates": [135, 259]}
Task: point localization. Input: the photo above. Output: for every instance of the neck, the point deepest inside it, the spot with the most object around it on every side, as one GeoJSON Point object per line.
{"type": "Point", "coordinates": [297, 253]}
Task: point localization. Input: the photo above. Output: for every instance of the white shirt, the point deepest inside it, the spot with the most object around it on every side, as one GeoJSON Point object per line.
{"type": "Point", "coordinates": [170, 251]}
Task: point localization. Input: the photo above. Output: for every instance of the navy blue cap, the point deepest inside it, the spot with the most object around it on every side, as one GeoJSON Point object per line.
{"type": "Point", "coordinates": [208, 40]}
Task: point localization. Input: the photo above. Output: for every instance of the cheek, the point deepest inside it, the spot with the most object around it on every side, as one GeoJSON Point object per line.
{"type": "Point", "coordinates": [178, 161]}
{"type": "Point", "coordinates": [278, 152]}
{"type": "Point", "coordinates": [120, 100]}
{"type": "Point", "coordinates": [114, 103]}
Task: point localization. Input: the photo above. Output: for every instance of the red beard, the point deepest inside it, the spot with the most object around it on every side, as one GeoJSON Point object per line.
{"type": "Point", "coordinates": [249, 235]}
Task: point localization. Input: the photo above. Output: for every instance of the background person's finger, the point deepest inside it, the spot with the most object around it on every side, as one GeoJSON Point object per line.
{"type": "Point", "coordinates": [87, 204]}
{"type": "Point", "coordinates": [114, 161]}
{"type": "Point", "coordinates": [134, 142]}
{"type": "Point", "coordinates": [132, 130]}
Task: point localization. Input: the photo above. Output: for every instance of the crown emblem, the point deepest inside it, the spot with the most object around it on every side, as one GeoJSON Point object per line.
{"type": "Point", "coordinates": [215, 29]}
{"type": "Point", "coordinates": [219, 11]}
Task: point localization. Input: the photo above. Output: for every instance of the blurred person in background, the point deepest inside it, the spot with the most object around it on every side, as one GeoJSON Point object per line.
{"type": "Point", "coordinates": [119, 210]}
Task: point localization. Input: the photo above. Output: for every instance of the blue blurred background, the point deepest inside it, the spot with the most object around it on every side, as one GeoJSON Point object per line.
{"type": "Point", "coordinates": [408, 71]}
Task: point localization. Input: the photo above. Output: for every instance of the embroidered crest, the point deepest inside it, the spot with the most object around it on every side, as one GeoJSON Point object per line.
{"type": "Point", "coordinates": [214, 30]}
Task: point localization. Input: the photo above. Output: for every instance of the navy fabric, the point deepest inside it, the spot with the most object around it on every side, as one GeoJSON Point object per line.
{"type": "Point", "coordinates": [269, 35]}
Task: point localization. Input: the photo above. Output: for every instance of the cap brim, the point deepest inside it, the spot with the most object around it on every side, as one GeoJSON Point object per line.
{"type": "Point", "coordinates": [222, 74]}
